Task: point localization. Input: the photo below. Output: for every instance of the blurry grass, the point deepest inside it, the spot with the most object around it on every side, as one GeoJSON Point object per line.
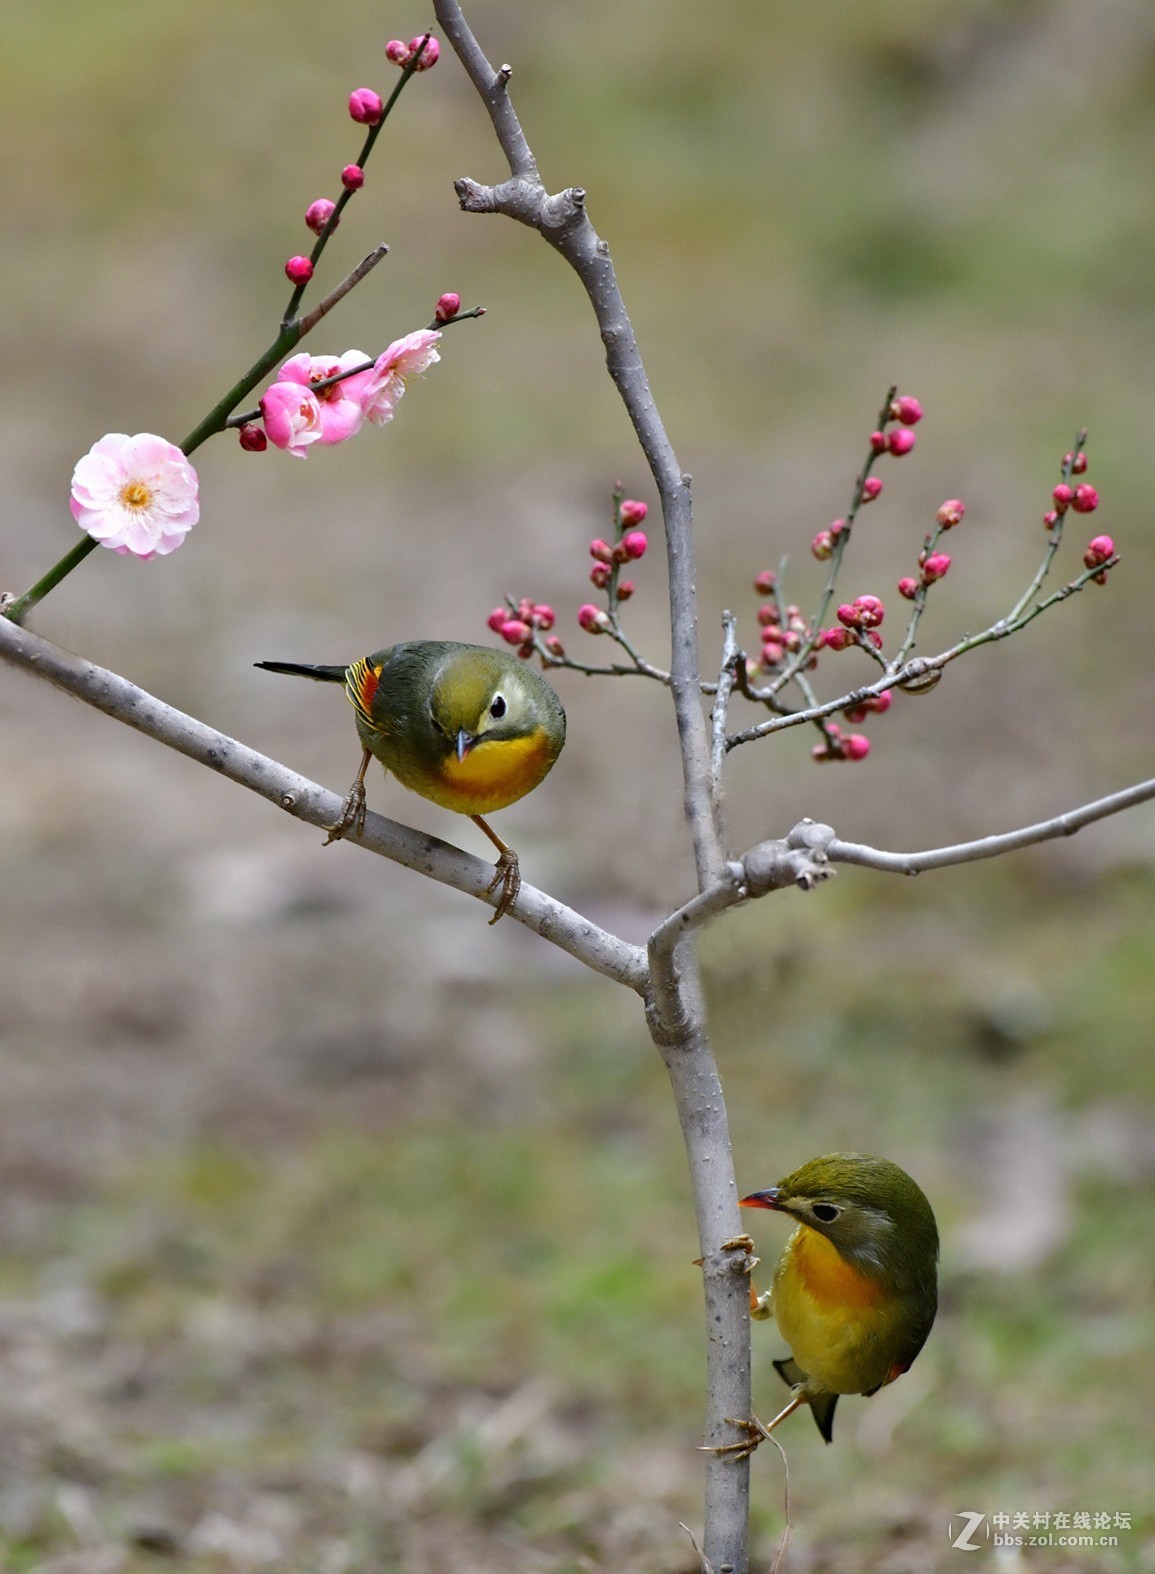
{"type": "Point", "coordinates": [375, 1291]}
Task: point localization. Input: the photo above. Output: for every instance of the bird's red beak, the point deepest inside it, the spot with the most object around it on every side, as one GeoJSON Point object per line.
{"type": "Point", "coordinates": [762, 1199]}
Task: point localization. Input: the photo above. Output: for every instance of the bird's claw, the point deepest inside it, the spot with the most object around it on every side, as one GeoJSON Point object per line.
{"type": "Point", "coordinates": [507, 875]}
{"type": "Point", "coordinates": [351, 818]}
{"type": "Point", "coordinates": [756, 1434]}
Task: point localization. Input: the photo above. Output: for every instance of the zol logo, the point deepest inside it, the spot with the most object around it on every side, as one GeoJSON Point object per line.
{"type": "Point", "coordinates": [965, 1530]}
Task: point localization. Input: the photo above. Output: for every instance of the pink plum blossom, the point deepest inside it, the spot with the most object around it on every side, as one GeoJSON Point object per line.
{"type": "Point", "coordinates": [292, 417]}
{"type": "Point", "coordinates": [340, 403]}
{"type": "Point", "coordinates": [385, 383]}
{"type": "Point", "coordinates": [135, 494]}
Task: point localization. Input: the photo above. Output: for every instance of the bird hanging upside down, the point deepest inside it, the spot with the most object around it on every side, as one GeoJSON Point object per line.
{"type": "Point", "coordinates": [469, 728]}
{"type": "Point", "coordinates": [855, 1290]}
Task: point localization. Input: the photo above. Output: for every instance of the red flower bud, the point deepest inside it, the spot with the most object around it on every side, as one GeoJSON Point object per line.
{"type": "Point", "coordinates": [253, 439]}
{"type": "Point", "coordinates": [448, 306]}
{"type": "Point", "coordinates": [1086, 499]}
{"type": "Point", "coordinates": [601, 550]}
{"type": "Point", "coordinates": [635, 543]}
{"type": "Point", "coordinates": [908, 587]}
{"type": "Point", "coordinates": [950, 512]}
{"type": "Point", "coordinates": [515, 632]}
{"type": "Point", "coordinates": [592, 619]}
{"type": "Point", "coordinates": [901, 441]}
{"type": "Point", "coordinates": [626, 588]}
{"type": "Point", "coordinates": [298, 270]}
{"type": "Point", "coordinates": [878, 442]}
{"type": "Point", "coordinates": [318, 214]}
{"type": "Point", "coordinates": [497, 619]}
{"type": "Point", "coordinates": [935, 567]}
{"type": "Point", "coordinates": [352, 177]}
{"type": "Point", "coordinates": [429, 55]}
{"type": "Point", "coordinates": [1099, 550]}
{"type": "Point", "coordinates": [600, 575]}
{"type": "Point", "coordinates": [632, 512]}
{"type": "Point", "coordinates": [906, 409]}
{"type": "Point", "coordinates": [871, 487]}
{"type": "Point", "coordinates": [365, 106]}
{"type": "Point", "coordinates": [1063, 496]}
{"type": "Point", "coordinates": [764, 582]}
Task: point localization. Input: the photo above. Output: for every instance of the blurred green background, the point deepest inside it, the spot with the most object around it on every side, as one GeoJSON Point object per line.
{"type": "Point", "coordinates": [340, 1232]}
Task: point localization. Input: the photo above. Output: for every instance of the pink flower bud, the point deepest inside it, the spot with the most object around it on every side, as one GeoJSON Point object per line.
{"type": "Point", "coordinates": [555, 646]}
{"type": "Point", "coordinates": [881, 703]}
{"type": "Point", "coordinates": [1051, 519]}
{"type": "Point", "coordinates": [834, 639]}
{"type": "Point", "coordinates": [448, 306]}
{"type": "Point", "coordinates": [1063, 495]}
{"type": "Point", "coordinates": [950, 512]}
{"type": "Point", "coordinates": [764, 582]}
{"type": "Point", "coordinates": [772, 652]}
{"type": "Point", "coordinates": [352, 177]}
{"type": "Point", "coordinates": [632, 512]}
{"type": "Point", "coordinates": [878, 442]}
{"type": "Point", "coordinates": [601, 550]}
{"type": "Point", "coordinates": [365, 106]}
{"type": "Point", "coordinates": [626, 588]}
{"type": "Point", "coordinates": [635, 543]}
{"type": "Point", "coordinates": [397, 52]}
{"type": "Point", "coordinates": [543, 615]}
{"type": "Point", "coordinates": [592, 619]}
{"type": "Point", "coordinates": [855, 713]}
{"type": "Point", "coordinates": [253, 439]}
{"type": "Point", "coordinates": [298, 270]}
{"type": "Point", "coordinates": [1077, 462]}
{"type": "Point", "coordinates": [429, 55]}
{"type": "Point", "coordinates": [855, 747]}
{"type": "Point", "coordinates": [515, 632]}
{"type": "Point", "coordinates": [768, 615]}
{"type": "Point", "coordinates": [901, 441]}
{"type": "Point", "coordinates": [871, 487]}
{"type": "Point", "coordinates": [870, 612]}
{"type": "Point", "coordinates": [1098, 551]}
{"type": "Point", "coordinates": [820, 753]}
{"type": "Point", "coordinates": [848, 615]}
{"type": "Point", "coordinates": [600, 575]}
{"type": "Point", "coordinates": [908, 587]}
{"type": "Point", "coordinates": [935, 567]}
{"type": "Point", "coordinates": [497, 619]}
{"type": "Point", "coordinates": [318, 214]}
{"type": "Point", "coordinates": [1086, 499]}
{"type": "Point", "coordinates": [906, 409]}
{"type": "Point", "coordinates": [822, 546]}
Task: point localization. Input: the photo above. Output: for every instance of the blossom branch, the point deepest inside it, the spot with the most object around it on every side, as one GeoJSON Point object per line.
{"type": "Point", "coordinates": [106, 691]}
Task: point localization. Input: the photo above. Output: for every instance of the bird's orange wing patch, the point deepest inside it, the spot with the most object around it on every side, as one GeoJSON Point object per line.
{"type": "Point", "coordinates": [361, 682]}
{"type": "Point", "coordinates": [829, 1279]}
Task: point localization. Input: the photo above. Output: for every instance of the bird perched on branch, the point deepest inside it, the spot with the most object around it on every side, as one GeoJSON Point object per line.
{"type": "Point", "coordinates": [469, 728]}
{"type": "Point", "coordinates": [855, 1290]}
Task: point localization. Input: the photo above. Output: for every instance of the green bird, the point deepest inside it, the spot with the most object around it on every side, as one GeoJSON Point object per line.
{"type": "Point", "coordinates": [855, 1290]}
{"type": "Point", "coordinates": [469, 728]}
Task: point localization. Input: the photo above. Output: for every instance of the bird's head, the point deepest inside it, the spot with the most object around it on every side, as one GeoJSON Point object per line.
{"type": "Point", "coordinates": [869, 1208]}
{"type": "Point", "coordinates": [479, 696]}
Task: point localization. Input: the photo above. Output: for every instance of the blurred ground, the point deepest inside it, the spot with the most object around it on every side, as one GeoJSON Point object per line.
{"type": "Point", "coordinates": [340, 1232]}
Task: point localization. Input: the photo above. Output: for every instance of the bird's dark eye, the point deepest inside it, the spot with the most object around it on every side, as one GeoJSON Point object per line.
{"type": "Point", "coordinates": [826, 1211]}
{"type": "Point", "coordinates": [497, 709]}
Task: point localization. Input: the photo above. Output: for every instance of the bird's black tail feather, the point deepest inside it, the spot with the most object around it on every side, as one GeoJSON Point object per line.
{"type": "Point", "coordinates": [296, 670]}
{"type": "Point", "coordinates": [821, 1405]}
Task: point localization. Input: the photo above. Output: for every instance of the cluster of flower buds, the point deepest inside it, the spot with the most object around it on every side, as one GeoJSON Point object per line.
{"type": "Point", "coordinates": [403, 54]}
{"type": "Point", "coordinates": [860, 620]}
{"type": "Point", "coordinates": [1100, 550]}
{"type": "Point", "coordinates": [1083, 498]}
{"type": "Point", "coordinates": [826, 540]}
{"type": "Point", "coordinates": [784, 630]}
{"type": "Point", "coordinates": [872, 705]}
{"type": "Point", "coordinates": [840, 746]}
{"type": "Point", "coordinates": [519, 626]}
{"type": "Point", "coordinates": [630, 545]}
{"type": "Point", "coordinates": [933, 565]}
{"type": "Point", "coordinates": [366, 108]}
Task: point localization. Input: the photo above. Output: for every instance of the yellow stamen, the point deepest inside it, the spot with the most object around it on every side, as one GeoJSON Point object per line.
{"type": "Point", "coordinates": [134, 494]}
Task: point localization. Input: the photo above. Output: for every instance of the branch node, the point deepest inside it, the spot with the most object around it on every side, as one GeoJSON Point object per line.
{"type": "Point", "coordinates": [504, 73]}
{"type": "Point", "coordinates": [288, 800]}
{"type": "Point", "coordinates": [799, 860]}
{"type": "Point", "coordinates": [919, 676]}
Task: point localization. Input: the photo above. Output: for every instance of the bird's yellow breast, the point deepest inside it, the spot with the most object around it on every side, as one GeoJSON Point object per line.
{"type": "Point", "coordinates": [494, 773]}
{"type": "Point", "coordinates": [844, 1327]}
